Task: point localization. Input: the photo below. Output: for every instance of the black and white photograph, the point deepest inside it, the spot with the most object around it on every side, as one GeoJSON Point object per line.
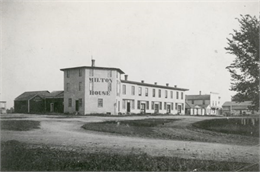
{"type": "Point", "coordinates": [127, 85]}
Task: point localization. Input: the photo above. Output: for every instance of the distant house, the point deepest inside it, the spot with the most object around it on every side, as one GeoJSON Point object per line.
{"type": "Point", "coordinates": [31, 102]}
{"type": "Point", "coordinates": [54, 102]}
{"type": "Point", "coordinates": [237, 108]}
{"type": "Point", "coordinates": [208, 104]}
{"type": "Point", "coordinates": [2, 107]}
{"type": "Point", "coordinates": [39, 102]}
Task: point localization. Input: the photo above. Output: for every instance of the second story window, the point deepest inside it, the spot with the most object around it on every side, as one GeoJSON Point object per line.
{"type": "Point", "coordinates": [153, 92]}
{"type": "Point", "coordinates": [166, 93]}
{"type": "Point", "coordinates": [171, 94]}
{"type": "Point", "coordinates": [124, 89]}
{"type": "Point", "coordinates": [159, 94]}
{"type": "Point", "coordinates": [80, 86]}
{"type": "Point", "coordinates": [140, 91]}
{"type": "Point", "coordinates": [68, 86]}
{"type": "Point", "coordinates": [181, 95]}
{"type": "Point", "coordinates": [80, 72]}
{"type": "Point", "coordinates": [146, 92]}
{"type": "Point", "coordinates": [68, 74]}
{"type": "Point", "coordinates": [177, 95]}
{"type": "Point", "coordinates": [133, 90]}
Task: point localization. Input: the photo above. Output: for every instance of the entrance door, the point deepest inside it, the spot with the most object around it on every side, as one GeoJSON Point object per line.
{"type": "Point", "coordinates": [128, 107]}
{"type": "Point", "coordinates": [156, 108]}
{"type": "Point", "coordinates": [51, 107]}
{"type": "Point", "coordinates": [179, 108]}
{"type": "Point", "coordinates": [77, 105]}
{"type": "Point", "coordinates": [142, 108]}
{"type": "Point", "coordinates": [168, 109]}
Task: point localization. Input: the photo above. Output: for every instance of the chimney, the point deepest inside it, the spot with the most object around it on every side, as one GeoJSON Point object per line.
{"type": "Point", "coordinates": [92, 62]}
{"type": "Point", "coordinates": [155, 83]}
{"type": "Point", "coordinates": [142, 81]}
{"type": "Point", "coordinates": [200, 92]}
{"type": "Point", "coordinates": [167, 84]}
{"type": "Point", "coordinates": [126, 77]}
{"type": "Point", "coordinates": [175, 86]}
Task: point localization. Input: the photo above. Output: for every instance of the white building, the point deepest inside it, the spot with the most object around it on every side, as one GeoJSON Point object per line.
{"type": "Point", "coordinates": [91, 90]}
{"type": "Point", "coordinates": [207, 104]}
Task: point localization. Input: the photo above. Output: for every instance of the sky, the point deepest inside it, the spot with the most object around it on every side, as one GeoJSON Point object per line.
{"type": "Point", "coordinates": [176, 42]}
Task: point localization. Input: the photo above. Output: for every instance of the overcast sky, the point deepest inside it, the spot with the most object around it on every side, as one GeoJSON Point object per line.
{"type": "Point", "coordinates": [180, 43]}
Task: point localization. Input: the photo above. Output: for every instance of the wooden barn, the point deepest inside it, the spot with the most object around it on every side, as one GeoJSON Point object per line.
{"type": "Point", "coordinates": [31, 102]}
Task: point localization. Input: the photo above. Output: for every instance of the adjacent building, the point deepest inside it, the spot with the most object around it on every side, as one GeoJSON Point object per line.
{"type": "Point", "coordinates": [237, 108]}
{"type": "Point", "coordinates": [208, 104]}
{"type": "Point", "coordinates": [100, 90]}
{"type": "Point", "coordinates": [39, 102]}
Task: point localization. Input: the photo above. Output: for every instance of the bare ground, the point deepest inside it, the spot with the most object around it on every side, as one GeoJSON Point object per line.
{"type": "Point", "coordinates": [66, 133]}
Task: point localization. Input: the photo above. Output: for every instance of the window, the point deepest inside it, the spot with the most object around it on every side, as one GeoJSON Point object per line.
{"type": "Point", "coordinates": [159, 93]}
{"type": "Point", "coordinates": [109, 74]}
{"type": "Point", "coordinates": [123, 104]}
{"type": "Point", "coordinates": [91, 86]}
{"type": "Point", "coordinates": [80, 72]}
{"type": "Point", "coordinates": [140, 91]}
{"type": "Point", "coordinates": [68, 87]}
{"type": "Point", "coordinates": [160, 105]}
{"type": "Point", "coordinates": [176, 106]}
{"type": "Point", "coordinates": [204, 102]}
{"type": "Point", "coordinates": [80, 102]}
{"type": "Point", "coordinates": [133, 104]}
{"type": "Point", "coordinates": [109, 86]}
{"type": "Point", "coordinates": [100, 102]}
{"type": "Point", "coordinates": [138, 104]}
{"type": "Point", "coordinates": [70, 102]}
{"type": "Point", "coordinates": [118, 88]}
{"type": "Point", "coordinates": [172, 106]}
{"type": "Point", "coordinates": [152, 105]}
{"type": "Point", "coordinates": [153, 92]}
{"type": "Point", "coordinates": [91, 72]}
{"type": "Point", "coordinates": [171, 94]}
{"type": "Point", "coordinates": [181, 95]}
{"type": "Point", "coordinates": [164, 105]}
{"type": "Point", "coordinates": [133, 90]}
{"type": "Point", "coordinates": [166, 93]}
{"type": "Point", "coordinates": [192, 101]}
{"type": "Point", "coordinates": [147, 104]}
{"type": "Point", "coordinates": [124, 89]}
{"type": "Point", "coordinates": [146, 92]}
{"type": "Point", "coordinates": [68, 74]}
{"type": "Point", "coordinates": [177, 95]}
{"type": "Point", "coordinates": [80, 86]}
{"type": "Point", "coordinates": [182, 106]}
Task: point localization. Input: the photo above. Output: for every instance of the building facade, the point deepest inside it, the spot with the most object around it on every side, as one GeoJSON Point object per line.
{"type": "Point", "coordinates": [100, 90]}
{"type": "Point", "coordinates": [208, 104]}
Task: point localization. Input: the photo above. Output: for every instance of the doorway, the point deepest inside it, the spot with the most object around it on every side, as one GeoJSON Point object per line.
{"type": "Point", "coordinates": [168, 109]}
{"type": "Point", "coordinates": [51, 107]}
{"type": "Point", "coordinates": [77, 105]}
{"type": "Point", "coordinates": [128, 107]}
{"type": "Point", "coordinates": [156, 108]}
{"type": "Point", "coordinates": [142, 108]}
{"type": "Point", "coordinates": [179, 108]}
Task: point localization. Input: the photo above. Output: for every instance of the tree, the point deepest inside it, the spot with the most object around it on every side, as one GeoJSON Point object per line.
{"type": "Point", "coordinates": [244, 70]}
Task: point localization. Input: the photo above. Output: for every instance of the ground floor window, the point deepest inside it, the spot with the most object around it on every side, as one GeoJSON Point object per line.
{"type": "Point", "coordinates": [147, 104]}
{"type": "Point", "coordinates": [70, 102]}
{"type": "Point", "coordinates": [138, 104]}
{"type": "Point", "coordinates": [172, 106]}
{"type": "Point", "coordinates": [100, 102]}
{"type": "Point", "coordinates": [160, 105]}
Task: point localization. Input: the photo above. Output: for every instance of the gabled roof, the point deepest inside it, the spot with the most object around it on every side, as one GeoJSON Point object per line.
{"type": "Point", "coordinates": [153, 85]}
{"type": "Point", "coordinates": [30, 94]}
{"type": "Point", "coordinates": [190, 105]}
{"type": "Point", "coordinates": [232, 103]}
{"type": "Point", "coordinates": [56, 94]}
{"type": "Point", "coordinates": [94, 67]}
{"type": "Point", "coordinates": [198, 97]}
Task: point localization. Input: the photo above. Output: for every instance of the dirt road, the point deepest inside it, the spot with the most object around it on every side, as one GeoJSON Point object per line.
{"type": "Point", "coordinates": [66, 133]}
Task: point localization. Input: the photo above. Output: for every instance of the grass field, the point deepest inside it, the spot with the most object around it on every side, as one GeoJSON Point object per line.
{"type": "Point", "coordinates": [19, 125]}
{"type": "Point", "coordinates": [16, 156]}
{"type": "Point", "coordinates": [230, 126]}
